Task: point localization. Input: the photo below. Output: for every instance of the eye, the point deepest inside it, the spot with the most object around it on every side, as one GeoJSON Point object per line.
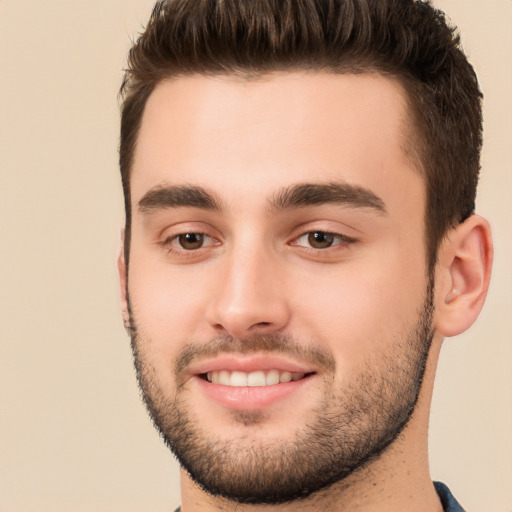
{"type": "Point", "coordinates": [321, 240]}
{"type": "Point", "coordinates": [190, 241]}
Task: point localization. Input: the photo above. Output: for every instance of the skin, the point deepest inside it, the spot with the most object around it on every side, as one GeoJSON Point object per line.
{"type": "Point", "coordinates": [244, 142]}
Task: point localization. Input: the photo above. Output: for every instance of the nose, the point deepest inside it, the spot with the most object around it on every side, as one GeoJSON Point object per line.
{"type": "Point", "coordinates": [250, 298]}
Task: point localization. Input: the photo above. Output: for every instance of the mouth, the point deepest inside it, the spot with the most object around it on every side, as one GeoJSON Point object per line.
{"type": "Point", "coordinates": [251, 383]}
{"type": "Point", "coordinates": [257, 378]}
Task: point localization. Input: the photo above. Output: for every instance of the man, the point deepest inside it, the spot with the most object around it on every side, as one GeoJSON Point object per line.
{"type": "Point", "coordinates": [300, 236]}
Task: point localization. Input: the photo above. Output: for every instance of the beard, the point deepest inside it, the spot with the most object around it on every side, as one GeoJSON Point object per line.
{"type": "Point", "coordinates": [346, 431]}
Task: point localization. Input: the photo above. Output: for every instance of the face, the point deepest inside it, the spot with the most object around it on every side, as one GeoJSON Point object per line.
{"type": "Point", "coordinates": [277, 287]}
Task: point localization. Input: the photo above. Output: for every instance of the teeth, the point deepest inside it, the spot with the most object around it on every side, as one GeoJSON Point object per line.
{"type": "Point", "coordinates": [224, 378]}
{"type": "Point", "coordinates": [252, 379]}
{"type": "Point", "coordinates": [238, 379]}
{"type": "Point", "coordinates": [256, 379]}
{"type": "Point", "coordinates": [272, 378]}
{"type": "Point", "coordinates": [285, 377]}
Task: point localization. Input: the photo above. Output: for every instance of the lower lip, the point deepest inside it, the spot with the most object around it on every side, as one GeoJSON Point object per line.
{"type": "Point", "coordinates": [247, 398]}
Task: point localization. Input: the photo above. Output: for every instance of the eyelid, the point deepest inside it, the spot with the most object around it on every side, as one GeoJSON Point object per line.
{"type": "Point", "coordinates": [174, 230]}
{"type": "Point", "coordinates": [172, 238]}
{"type": "Point", "coordinates": [314, 227]}
{"type": "Point", "coordinates": [168, 241]}
{"type": "Point", "coordinates": [342, 239]}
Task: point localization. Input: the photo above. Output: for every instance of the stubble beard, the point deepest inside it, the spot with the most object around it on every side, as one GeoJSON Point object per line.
{"type": "Point", "coordinates": [346, 431]}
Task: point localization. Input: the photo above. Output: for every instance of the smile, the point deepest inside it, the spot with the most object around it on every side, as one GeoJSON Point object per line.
{"type": "Point", "coordinates": [250, 383]}
{"type": "Point", "coordinates": [252, 379]}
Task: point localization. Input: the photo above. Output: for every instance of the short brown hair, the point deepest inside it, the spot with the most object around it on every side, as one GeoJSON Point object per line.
{"type": "Point", "coordinates": [405, 39]}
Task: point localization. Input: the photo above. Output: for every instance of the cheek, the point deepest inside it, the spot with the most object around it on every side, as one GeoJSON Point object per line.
{"type": "Point", "coordinates": [167, 306]}
{"type": "Point", "coordinates": [363, 308]}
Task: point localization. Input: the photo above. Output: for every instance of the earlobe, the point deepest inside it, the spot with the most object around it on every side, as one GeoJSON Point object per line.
{"type": "Point", "coordinates": [462, 275]}
{"type": "Point", "coordinates": [123, 280]}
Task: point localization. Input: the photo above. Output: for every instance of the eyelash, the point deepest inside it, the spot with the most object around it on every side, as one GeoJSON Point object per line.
{"type": "Point", "coordinates": [182, 251]}
{"type": "Point", "coordinates": [339, 242]}
{"type": "Point", "coordinates": [336, 240]}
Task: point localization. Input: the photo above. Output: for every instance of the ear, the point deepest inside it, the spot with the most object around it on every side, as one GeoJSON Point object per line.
{"type": "Point", "coordinates": [123, 282]}
{"type": "Point", "coordinates": [462, 275]}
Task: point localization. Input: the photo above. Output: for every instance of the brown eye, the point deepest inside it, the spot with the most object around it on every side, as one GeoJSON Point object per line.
{"type": "Point", "coordinates": [320, 239]}
{"type": "Point", "coordinates": [191, 241]}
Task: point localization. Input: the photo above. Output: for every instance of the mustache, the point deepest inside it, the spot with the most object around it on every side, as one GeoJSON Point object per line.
{"type": "Point", "coordinates": [256, 344]}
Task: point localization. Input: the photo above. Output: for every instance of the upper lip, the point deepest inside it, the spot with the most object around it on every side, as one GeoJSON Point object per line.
{"type": "Point", "coordinates": [249, 364]}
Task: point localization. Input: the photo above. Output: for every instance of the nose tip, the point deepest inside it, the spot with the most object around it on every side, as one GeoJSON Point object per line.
{"type": "Point", "coordinates": [249, 300]}
{"type": "Point", "coordinates": [242, 323]}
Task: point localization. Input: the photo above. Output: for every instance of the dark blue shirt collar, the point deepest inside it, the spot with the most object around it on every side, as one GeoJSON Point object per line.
{"type": "Point", "coordinates": [450, 504]}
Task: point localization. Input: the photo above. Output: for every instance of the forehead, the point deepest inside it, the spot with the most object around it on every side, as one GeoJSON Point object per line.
{"type": "Point", "coordinates": [247, 136]}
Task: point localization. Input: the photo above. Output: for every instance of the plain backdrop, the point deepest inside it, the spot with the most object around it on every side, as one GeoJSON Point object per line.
{"type": "Point", "coordinates": [74, 435]}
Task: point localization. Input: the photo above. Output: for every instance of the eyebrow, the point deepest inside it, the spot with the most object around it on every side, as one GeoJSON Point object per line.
{"type": "Point", "coordinates": [294, 197]}
{"type": "Point", "coordinates": [177, 196]}
{"type": "Point", "coordinates": [315, 194]}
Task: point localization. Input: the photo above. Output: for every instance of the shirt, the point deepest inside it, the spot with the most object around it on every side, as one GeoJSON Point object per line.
{"type": "Point", "coordinates": [450, 504]}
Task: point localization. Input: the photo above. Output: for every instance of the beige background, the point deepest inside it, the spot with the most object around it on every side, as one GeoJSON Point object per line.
{"type": "Point", "coordinates": [74, 436]}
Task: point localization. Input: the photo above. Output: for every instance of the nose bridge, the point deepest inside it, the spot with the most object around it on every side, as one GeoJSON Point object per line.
{"type": "Point", "coordinates": [250, 297]}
